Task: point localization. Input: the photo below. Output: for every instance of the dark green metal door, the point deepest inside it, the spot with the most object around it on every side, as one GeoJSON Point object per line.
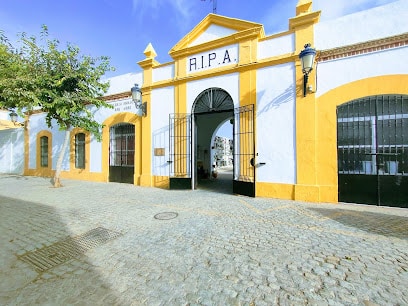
{"type": "Point", "coordinates": [372, 147]}
{"type": "Point", "coordinates": [122, 153]}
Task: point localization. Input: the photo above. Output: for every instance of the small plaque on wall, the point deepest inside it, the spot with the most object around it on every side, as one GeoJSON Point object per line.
{"type": "Point", "coordinates": [158, 151]}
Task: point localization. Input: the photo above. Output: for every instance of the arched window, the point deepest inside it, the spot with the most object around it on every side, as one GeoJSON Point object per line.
{"type": "Point", "coordinates": [44, 151]}
{"type": "Point", "coordinates": [80, 151]}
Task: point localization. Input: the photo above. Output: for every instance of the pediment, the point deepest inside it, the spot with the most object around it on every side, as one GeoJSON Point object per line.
{"type": "Point", "coordinates": [214, 27]}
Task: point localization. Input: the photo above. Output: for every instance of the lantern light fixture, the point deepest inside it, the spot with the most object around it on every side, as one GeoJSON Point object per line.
{"type": "Point", "coordinates": [307, 56]}
{"type": "Point", "coordinates": [141, 107]}
{"type": "Point", "coordinates": [13, 117]}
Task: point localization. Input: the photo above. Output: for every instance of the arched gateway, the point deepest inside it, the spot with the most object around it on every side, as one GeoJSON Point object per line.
{"type": "Point", "coordinates": [372, 147]}
{"type": "Point", "coordinates": [190, 141]}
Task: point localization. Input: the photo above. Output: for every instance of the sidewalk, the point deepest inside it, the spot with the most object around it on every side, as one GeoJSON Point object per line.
{"type": "Point", "coordinates": [93, 243]}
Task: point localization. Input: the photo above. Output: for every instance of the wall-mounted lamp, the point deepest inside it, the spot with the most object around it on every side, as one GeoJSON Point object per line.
{"type": "Point", "coordinates": [13, 117]}
{"type": "Point", "coordinates": [141, 108]}
{"type": "Point", "coordinates": [307, 56]}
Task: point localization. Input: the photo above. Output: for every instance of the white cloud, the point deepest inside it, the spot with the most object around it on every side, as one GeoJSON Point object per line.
{"type": "Point", "coordinates": [181, 12]}
{"type": "Point", "coordinates": [336, 8]}
{"type": "Point", "coordinates": [180, 7]}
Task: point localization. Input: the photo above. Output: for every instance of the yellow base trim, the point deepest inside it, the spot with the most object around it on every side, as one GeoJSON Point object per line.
{"type": "Point", "coordinates": [73, 175]}
{"type": "Point", "coordinates": [307, 193]}
{"type": "Point", "coordinates": [161, 182]}
{"type": "Point", "coordinates": [146, 180]}
{"type": "Point", "coordinates": [274, 190]}
{"type": "Point", "coordinates": [316, 193]}
{"type": "Point", "coordinates": [84, 176]}
{"type": "Point", "coordinates": [329, 194]}
{"type": "Point", "coordinates": [46, 172]}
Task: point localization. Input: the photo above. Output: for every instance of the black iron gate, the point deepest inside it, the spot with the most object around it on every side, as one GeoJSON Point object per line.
{"type": "Point", "coordinates": [372, 143]}
{"type": "Point", "coordinates": [244, 151]}
{"type": "Point", "coordinates": [180, 151]}
{"type": "Point", "coordinates": [122, 153]}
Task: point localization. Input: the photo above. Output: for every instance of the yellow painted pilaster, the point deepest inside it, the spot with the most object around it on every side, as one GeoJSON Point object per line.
{"type": "Point", "coordinates": [247, 96]}
{"type": "Point", "coordinates": [180, 98]}
{"type": "Point", "coordinates": [247, 87]}
{"type": "Point", "coordinates": [180, 127]}
{"type": "Point", "coordinates": [306, 188]}
{"type": "Point", "coordinates": [145, 141]}
{"type": "Point", "coordinates": [248, 51]}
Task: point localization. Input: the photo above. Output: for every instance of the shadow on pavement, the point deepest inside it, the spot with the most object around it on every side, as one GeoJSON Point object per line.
{"type": "Point", "coordinates": [221, 184]}
{"type": "Point", "coordinates": [377, 223]}
{"type": "Point", "coordinates": [32, 228]}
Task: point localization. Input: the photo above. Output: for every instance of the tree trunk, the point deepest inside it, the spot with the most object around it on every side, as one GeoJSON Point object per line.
{"type": "Point", "coordinates": [57, 182]}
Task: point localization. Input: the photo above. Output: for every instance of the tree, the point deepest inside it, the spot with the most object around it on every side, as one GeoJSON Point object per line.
{"type": "Point", "coordinates": [60, 82]}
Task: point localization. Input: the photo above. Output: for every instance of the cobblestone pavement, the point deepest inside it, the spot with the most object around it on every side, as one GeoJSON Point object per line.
{"type": "Point", "coordinates": [100, 244]}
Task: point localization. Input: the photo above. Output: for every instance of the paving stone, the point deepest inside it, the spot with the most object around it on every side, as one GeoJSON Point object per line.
{"type": "Point", "coordinates": [220, 250]}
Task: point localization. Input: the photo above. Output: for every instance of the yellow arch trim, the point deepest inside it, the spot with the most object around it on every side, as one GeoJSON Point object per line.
{"type": "Point", "coordinates": [327, 124]}
{"type": "Point", "coordinates": [123, 117]}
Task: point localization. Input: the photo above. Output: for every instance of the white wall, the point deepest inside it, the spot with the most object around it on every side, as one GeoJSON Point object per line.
{"type": "Point", "coordinates": [378, 22]}
{"type": "Point", "coordinates": [5, 115]}
{"type": "Point", "coordinates": [162, 105]}
{"type": "Point", "coordinates": [212, 33]}
{"type": "Point", "coordinates": [12, 151]}
{"type": "Point", "coordinates": [162, 73]}
{"type": "Point", "coordinates": [124, 82]}
{"type": "Point", "coordinates": [334, 73]}
{"type": "Point", "coordinates": [276, 125]}
{"type": "Point", "coordinates": [276, 46]}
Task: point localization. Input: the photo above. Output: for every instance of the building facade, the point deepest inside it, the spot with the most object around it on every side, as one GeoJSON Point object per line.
{"type": "Point", "coordinates": [222, 152]}
{"type": "Point", "coordinates": [350, 129]}
{"type": "Point", "coordinates": [11, 145]}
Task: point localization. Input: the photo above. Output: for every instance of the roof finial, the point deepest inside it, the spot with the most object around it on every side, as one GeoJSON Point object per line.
{"type": "Point", "coordinates": [303, 6]}
{"type": "Point", "coordinates": [149, 52]}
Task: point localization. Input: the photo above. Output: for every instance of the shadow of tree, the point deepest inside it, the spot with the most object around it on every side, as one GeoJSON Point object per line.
{"type": "Point", "coordinates": [284, 97]}
{"type": "Point", "coordinates": [26, 227]}
{"type": "Point", "coordinates": [377, 223]}
{"type": "Point", "coordinates": [222, 184]}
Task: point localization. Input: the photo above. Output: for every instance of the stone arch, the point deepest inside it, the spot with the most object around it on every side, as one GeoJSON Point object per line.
{"type": "Point", "coordinates": [326, 129]}
{"type": "Point", "coordinates": [123, 117]}
{"type": "Point", "coordinates": [213, 99]}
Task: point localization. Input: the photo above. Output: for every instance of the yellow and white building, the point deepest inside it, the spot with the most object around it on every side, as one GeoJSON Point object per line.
{"type": "Point", "coordinates": [346, 140]}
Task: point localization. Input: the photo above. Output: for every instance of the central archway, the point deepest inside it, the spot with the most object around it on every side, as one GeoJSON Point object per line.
{"type": "Point", "coordinates": [211, 109]}
{"type": "Point", "coordinates": [213, 100]}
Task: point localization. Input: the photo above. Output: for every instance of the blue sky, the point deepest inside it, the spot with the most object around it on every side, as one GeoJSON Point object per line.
{"type": "Point", "coordinates": [121, 29]}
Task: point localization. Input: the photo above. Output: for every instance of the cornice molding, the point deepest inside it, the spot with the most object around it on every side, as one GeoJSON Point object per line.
{"type": "Point", "coordinates": [119, 96]}
{"type": "Point", "coordinates": [212, 19]}
{"type": "Point", "coordinates": [304, 20]}
{"type": "Point", "coordinates": [363, 48]}
{"type": "Point", "coordinates": [235, 38]}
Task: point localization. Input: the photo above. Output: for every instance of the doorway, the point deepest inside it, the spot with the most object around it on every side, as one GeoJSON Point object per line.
{"type": "Point", "coordinates": [122, 153]}
{"type": "Point", "coordinates": [372, 146]}
{"type": "Point", "coordinates": [191, 156]}
{"type": "Point", "coordinates": [214, 152]}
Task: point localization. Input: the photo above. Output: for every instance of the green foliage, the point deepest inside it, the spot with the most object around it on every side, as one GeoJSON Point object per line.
{"type": "Point", "coordinates": [61, 82]}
